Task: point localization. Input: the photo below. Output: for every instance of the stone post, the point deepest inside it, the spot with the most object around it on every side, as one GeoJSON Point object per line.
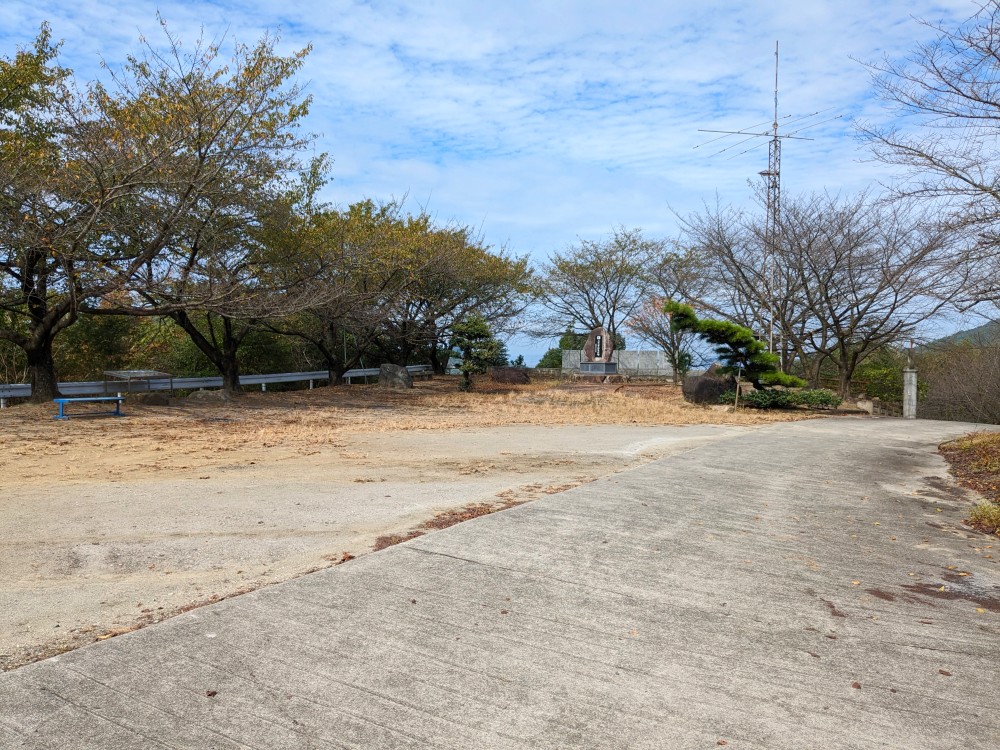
{"type": "Point", "coordinates": [909, 393]}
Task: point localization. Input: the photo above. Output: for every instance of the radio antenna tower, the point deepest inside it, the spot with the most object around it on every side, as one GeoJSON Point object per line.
{"type": "Point", "coordinates": [772, 184]}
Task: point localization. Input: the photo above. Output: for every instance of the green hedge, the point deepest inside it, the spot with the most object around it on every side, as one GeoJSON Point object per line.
{"type": "Point", "coordinates": [815, 398]}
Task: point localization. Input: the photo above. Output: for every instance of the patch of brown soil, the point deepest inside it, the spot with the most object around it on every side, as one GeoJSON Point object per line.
{"type": "Point", "coordinates": [445, 519]}
{"type": "Point", "coordinates": [268, 427]}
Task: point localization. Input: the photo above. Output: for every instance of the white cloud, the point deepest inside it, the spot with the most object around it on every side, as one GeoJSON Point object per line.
{"type": "Point", "coordinates": [544, 121]}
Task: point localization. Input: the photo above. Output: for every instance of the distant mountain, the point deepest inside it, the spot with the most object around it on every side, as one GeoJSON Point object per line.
{"type": "Point", "coordinates": [984, 334]}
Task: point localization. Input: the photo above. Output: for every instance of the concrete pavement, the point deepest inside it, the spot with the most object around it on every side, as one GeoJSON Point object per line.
{"type": "Point", "coordinates": [805, 585]}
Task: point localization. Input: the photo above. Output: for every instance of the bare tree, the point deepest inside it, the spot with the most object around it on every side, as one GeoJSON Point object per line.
{"type": "Point", "coordinates": [946, 95]}
{"type": "Point", "coordinates": [961, 381]}
{"type": "Point", "coordinates": [680, 275]}
{"type": "Point", "coordinates": [652, 324]}
{"type": "Point", "coordinates": [597, 283]}
{"type": "Point", "coordinates": [858, 274]}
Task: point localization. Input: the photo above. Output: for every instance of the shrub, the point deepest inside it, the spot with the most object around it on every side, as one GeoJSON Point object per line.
{"type": "Point", "coordinates": [986, 516]}
{"type": "Point", "coordinates": [815, 398]}
{"type": "Point", "coordinates": [818, 398]}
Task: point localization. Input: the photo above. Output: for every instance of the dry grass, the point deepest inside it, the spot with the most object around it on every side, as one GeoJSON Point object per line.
{"type": "Point", "coordinates": [439, 405]}
{"type": "Point", "coordinates": [196, 433]}
{"type": "Point", "coordinates": [975, 462]}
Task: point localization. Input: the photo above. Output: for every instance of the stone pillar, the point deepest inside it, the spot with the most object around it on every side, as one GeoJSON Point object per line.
{"type": "Point", "coordinates": [909, 393]}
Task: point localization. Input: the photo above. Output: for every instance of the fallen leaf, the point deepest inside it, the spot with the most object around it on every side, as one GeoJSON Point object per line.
{"type": "Point", "coordinates": [856, 583]}
{"type": "Point", "coordinates": [211, 693]}
{"type": "Point", "coordinates": [980, 610]}
{"type": "Point", "coordinates": [944, 672]}
{"type": "Point", "coordinates": [856, 685]}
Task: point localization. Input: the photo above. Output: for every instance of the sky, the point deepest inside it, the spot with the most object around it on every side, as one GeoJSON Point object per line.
{"type": "Point", "coordinates": [540, 122]}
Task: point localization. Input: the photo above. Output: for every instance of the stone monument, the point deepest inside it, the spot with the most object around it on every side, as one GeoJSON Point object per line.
{"type": "Point", "coordinates": [597, 353]}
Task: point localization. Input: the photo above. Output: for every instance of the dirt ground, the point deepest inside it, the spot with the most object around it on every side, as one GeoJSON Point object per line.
{"type": "Point", "coordinates": [110, 524]}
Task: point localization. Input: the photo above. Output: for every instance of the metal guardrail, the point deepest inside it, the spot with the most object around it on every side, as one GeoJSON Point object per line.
{"type": "Point", "coordinates": [101, 387]}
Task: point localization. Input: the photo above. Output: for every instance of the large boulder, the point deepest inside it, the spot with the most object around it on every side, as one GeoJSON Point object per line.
{"type": "Point", "coordinates": [707, 388]}
{"type": "Point", "coordinates": [509, 375]}
{"type": "Point", "coordinates": [202, 394]}
{"type": "Point", "coordinates": [394, 376]}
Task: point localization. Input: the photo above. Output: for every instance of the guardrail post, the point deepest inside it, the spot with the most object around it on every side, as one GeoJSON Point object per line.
{"type": "Point", "coordinates": [3, 403]}
{"type": "Point", "coordinates": [263, 387]}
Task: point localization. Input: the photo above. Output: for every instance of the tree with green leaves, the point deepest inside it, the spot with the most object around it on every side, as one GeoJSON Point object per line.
{"type": "Point", "coordinates": [552, 359]}
{"type": "Point", "coordinates": [132, 185]}
{"type": "Point", "coordinates": [213, 214]}
{"type": "Point", "coordinates": [742, 354]}
{"type": "Point", "coordinates": [48, 205]}
{"type": "Point", "coordinates": [478, 348]}
{"type": "Point", "coordinates": [455, 276]}
{"type": "Point", "coordinates": [362, 258]}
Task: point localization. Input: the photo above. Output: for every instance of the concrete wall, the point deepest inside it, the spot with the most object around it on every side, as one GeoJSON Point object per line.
{"type": "Point", "coordinates": [638, 363]}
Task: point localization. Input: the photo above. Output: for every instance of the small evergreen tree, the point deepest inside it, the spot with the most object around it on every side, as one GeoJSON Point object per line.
{"type": "Point", "coordinates": [736, 346]}
{"type": "Point", "coordinates": [473, 341]}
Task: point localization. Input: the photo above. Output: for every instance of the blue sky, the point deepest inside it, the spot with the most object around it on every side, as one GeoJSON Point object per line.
{"type": "Point", "coordinates": [541, 122]}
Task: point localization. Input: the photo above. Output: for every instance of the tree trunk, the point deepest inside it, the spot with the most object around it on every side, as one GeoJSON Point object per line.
{"type": "Point", "coordinates": [846, 365]}
{"type": "Point", "coordinates": [845, 384]}
{"type": "Point", "coordinates": [224, 358]}
{"type": "Point", "coordinates": [42, 368]}
{"type": "Point", "coordinates": [437, 366]}
{"type": "Point", "coordinates": [230, 364]}
{"type": "Point", "coordinates": [230, 369]}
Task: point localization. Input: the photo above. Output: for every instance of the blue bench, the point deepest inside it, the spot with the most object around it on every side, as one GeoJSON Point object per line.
{"type": "Point", "coordinates": [84, 399]}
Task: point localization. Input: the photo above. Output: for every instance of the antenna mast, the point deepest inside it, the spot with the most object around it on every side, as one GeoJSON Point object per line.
{"type": "Point", "coordinates": [772, 184]}
{"type": "Point", "coordinates": [772, 223]}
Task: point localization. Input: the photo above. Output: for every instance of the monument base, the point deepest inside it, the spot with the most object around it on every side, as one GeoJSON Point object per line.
{"type": "Point", "coordinates": [599, 368]}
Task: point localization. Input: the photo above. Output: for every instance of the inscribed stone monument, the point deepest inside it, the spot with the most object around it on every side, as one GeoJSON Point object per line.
{"type": "Point", "coordinates": [597, 353]}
